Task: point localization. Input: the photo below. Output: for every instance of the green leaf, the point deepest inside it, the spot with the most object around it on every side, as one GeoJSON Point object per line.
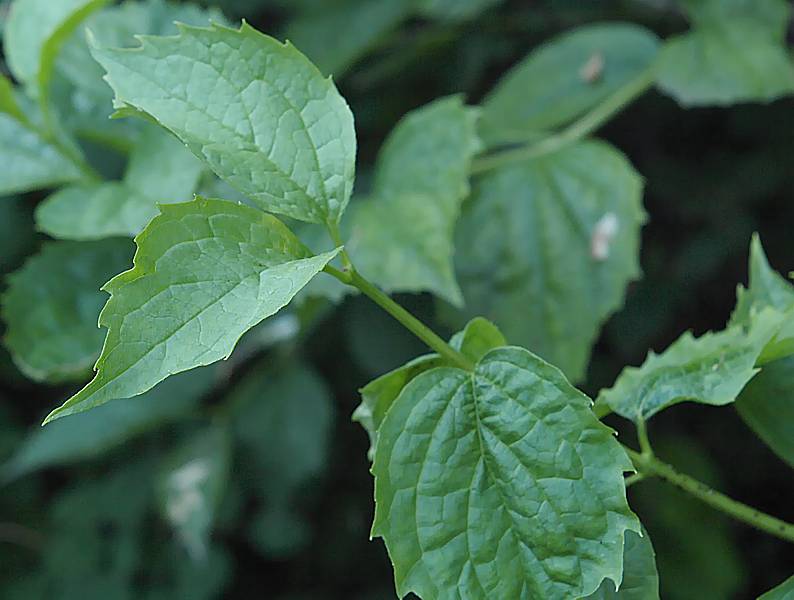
{"type": "Point", "coordinates": [403, 237]}
{"type": "Point", "coordinates": [499, 484]}
{"type": "Point", "coordinates": [52, 304]}
{"type": "Point", "coordinates": [546, 248]}
{"type": "Point", "coordinates": [257, 111]}
{"type": "Point", "coordinates": [640, 578]}
{"type": "Point", "coordinates": [160, 171]}
{"type": "Point", "coordinates": [95, 432]}
{"type": "Point", "coordinates": [785, 591]}
{"type": "Point", "coordinates": [766, 288]}
{"type": "Point", "coordinates": [712, 369]}
{"type": "Point", "coordinates": [29, 161]}
{"type": "Point", "coordinates": [34, 32]}
{"type": "Point", "coordinates": [556, 83]}
{"type": "Point", "coordinates": [767, 406]}
{"type": "Point", "coordinates": [365, 23]}
{"type": "Point", "coordinates": [192, 484]}
{"type": "Point", "coordinates": [205, 272]}
{"type": "Point", "coordinates": [282, 418]}
{"type": "Point", "coordinates": [474, 341]}
{"type": "Point", "coordinates": [735, 52]}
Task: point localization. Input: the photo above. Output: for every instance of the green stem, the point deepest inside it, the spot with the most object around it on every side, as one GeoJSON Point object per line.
{"type": "Point", "coordinates": [410, 322]}
{"type": "Point", "coordinates": [650, 466]}
{"type": "Point", "coordinates": [576, 131]}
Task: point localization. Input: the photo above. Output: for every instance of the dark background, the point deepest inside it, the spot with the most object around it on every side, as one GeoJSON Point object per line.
{"type": "Point", "coordinates": [713, 176]}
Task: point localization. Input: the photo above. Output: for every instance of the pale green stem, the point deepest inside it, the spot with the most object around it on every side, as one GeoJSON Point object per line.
{"type": "Point", "coordinates": [649, 466]}
{"type": "Point", "coordinates": [576, 131]}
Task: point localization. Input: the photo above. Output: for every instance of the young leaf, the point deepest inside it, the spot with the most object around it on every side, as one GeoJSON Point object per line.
{"type": "Point", "coordinates": [29, 161]}
{"type": "Point", "coordinates": [34, 31]}
{"type": "Point", "coordinates": [95, 432]}
{"type": "Point", "coordinates": [767, 406]}
{"type": "Point", "coordinates": [205, 272]}
{"type": "Point", "coordinates": [257, 111]}
{"type": "Point", "coordinates": [499, 484]}
{"type": "Point", "coordinates": [640, 578]}
{"type": "Point", "coordinates": [552, 86]}
{"type": "Point", "coordinates": [192, 484]}
{"type": "Point", "coordinates": [712, 369]}
{"type": "Point", "coordinates": [546, 248]}
{"type": "Point", "coordinates": [365, 23]}
{"type": "Point", "coordinates": [474, 341]}
{"type": "Point", "coordinates": [785, 591]}
{"type": "Point", "coordinates": [735, 52]}
{"type": "Point", "coordinates": [52, 304]}
{"type": "Point", "coordinates": [403, 237]}
{"type": "Point", "coordinates": [160, 171]}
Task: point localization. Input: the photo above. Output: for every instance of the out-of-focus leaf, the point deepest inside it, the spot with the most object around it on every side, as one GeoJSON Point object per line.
{"type": "Point", "coordinates": [29, 161]}
{"type": "Point", "coordinates": [33, 33]}
{"type": "Point", "coordinates": [456, 470]}
{"type": "Point", "coordinates": [160, 171]}
{"type": "Point", "coordinates": [175, 577]}
{"type": "Point", "coordinates": [640, 578]}
{"type": "Point", "coordinates": [282, 418]}
{"type": "Point", "coordinates": [95, 535]}
{"type": "Point", "coordinates": [735, 52]}
{"type": "Point", "coordinates": [403, 237]}
{"type": "Point", "coordinates": [563, 78]}
{"type": "Point", "coordinates": [767, 406]}
{"type": "Point", "coordinates": [205, 272]}
{"type": "Point", "coordinates": [93, 433]}
{"type": "Point", "coordinates": [546, 248]}
{"type": "Point", "coordinates": [454, 10]}
{"type": "Point", "coordinates": [261, 115]}
{"type": "Point", "coordinates": [192, 484]}
{"type": "Point", "coordinates": [16, 232]}
{"type": "Point", "coordinates": [52, 304]}
{"type": "Point", "coordinates": [8, 103]}
{"type": "Point", "coordinates": [316, 32]}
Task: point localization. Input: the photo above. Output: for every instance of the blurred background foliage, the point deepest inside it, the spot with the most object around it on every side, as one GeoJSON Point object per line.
{"type": "Point", "coordinates": [248, 479]}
